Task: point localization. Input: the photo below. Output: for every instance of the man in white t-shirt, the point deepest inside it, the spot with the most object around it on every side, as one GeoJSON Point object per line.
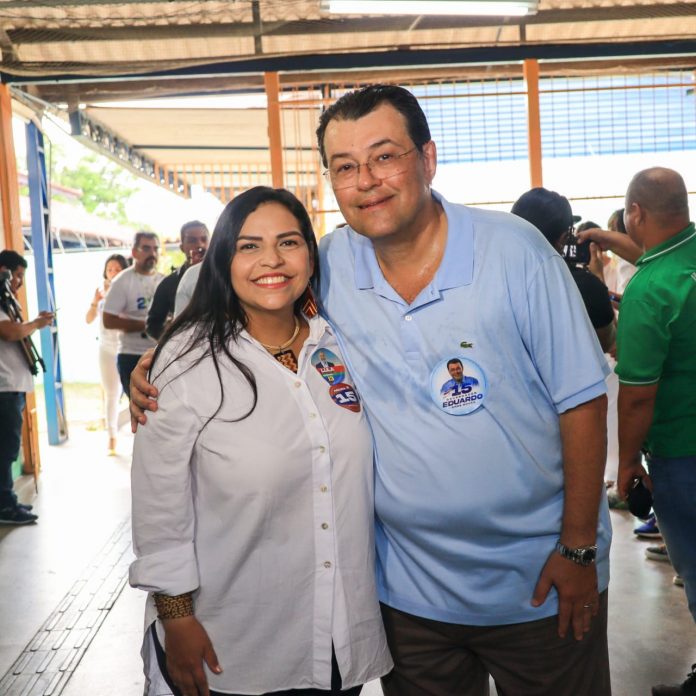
{"type": "Point", "coordinates": [128, 301]}
{"type": "Point", "coordinates": [15, 381]}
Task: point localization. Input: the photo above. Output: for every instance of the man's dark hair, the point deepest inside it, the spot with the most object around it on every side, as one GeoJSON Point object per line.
{"type": "Point", "coordinates": [191, 225]}
{"type": "Point", "coordinates": [454, 361]}
{"type": "Point", "coordinates": [360, 102]}
{"type": "Point", "coordinates": [142, 234]}
{"type": "Point", "coordinates": [587, 225]}
{"type": "Point", "coordinates": [12, 260]}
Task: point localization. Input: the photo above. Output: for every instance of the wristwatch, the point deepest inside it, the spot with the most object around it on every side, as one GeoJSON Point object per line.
{"type": "Point", "coordinates": [583, 555]}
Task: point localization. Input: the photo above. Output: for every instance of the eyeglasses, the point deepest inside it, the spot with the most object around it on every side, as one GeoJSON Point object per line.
{"type": "Point", "coordinates": [382, 166]}
{"type": "Point", "coordinates": [147, 248]}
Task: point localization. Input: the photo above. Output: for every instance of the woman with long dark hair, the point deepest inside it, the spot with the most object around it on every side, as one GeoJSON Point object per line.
{"type": "Point", "coordinates": [108, 348]}
{"type": "Point", "coordinates": [252, 483]}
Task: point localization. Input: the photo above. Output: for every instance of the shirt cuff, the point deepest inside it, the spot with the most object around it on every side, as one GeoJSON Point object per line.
{"type": "Point", "coordinates": [581, 397]}
{"type": "Point", "coordinates": [171, 572]}
{"type": "Point", "coordinates": [638, 382]}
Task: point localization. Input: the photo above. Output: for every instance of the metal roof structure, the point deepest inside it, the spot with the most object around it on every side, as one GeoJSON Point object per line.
{"type": "Point", "coordinates": [81, 56]}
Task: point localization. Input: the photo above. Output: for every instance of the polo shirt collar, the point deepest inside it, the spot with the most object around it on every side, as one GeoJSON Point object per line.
{"type": "Point", "coordinates": [669, 245]}
{"type": "Point", "coordinates": [456, 267]}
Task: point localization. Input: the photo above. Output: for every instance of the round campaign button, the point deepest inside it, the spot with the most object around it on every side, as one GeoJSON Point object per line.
{"type": "Point", "coordinates": [344, 395]}
{"type": "Point", "coordinates": [328, 365]}
{"type": "Point", "coordinates": [458, 386]}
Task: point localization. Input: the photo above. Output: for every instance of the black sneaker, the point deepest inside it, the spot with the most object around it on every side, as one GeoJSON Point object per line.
{"type": "Point", "coordinates": [16, 516]}
{"type": "Point", "coordinates": [687, 688]}
{"type": "Point", "coordinates": [25, 506]}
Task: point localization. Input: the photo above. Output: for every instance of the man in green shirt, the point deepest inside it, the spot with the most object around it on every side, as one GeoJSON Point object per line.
{"type": "Point", "coordinates": [656, 354]}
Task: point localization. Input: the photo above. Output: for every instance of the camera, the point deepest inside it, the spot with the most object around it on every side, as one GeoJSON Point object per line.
{"type": "Point", "coordinates": [576, 252]}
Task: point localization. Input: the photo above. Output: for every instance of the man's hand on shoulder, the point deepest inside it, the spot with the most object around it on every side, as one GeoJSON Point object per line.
{"type": "Point", "coordinates": [143, 396]}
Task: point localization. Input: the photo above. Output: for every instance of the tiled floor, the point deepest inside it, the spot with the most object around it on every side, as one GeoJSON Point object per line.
{"type": "Point", "coordinates": [84, 499]}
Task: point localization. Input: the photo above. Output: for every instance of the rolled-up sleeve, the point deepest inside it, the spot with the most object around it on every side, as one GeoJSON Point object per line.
{"type": "Point", "coordinates": [162, 499]}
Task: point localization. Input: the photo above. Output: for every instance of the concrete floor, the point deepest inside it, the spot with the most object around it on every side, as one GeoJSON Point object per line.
{"type": "Point", "coordinates": [84, 502]}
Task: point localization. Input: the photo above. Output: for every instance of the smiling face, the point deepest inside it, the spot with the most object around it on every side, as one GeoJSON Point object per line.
{"type": "Point", "coordinates": [195, 244]}
{"type": "Point", "coordinates": [271, 266]}
{"type": "Point", "coordinates": [456, 371]}
{"type": "Point", "coordinates": [374, 207]}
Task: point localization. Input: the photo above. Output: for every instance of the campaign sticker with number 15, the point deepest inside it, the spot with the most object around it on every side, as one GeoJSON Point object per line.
{"type": "Point", "coordinates": [344, 395]}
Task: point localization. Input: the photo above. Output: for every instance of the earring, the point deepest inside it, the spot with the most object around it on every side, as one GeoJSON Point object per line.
{"type": "Point", "coordinates": [309, 304]}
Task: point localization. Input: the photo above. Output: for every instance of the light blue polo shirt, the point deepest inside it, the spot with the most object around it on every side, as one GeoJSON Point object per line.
{"type": "Point", "coordinates": [469, 506]}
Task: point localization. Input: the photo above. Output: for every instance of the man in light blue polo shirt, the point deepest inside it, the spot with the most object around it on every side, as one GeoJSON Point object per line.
{"type": "Point", "coordinates": [487, 505]}
{"type": "Point", "coordinates": [492, 548]}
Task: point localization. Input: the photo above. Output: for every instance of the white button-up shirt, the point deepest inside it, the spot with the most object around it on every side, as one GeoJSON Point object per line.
{"type": "Point", "coordinates": [269, 518]}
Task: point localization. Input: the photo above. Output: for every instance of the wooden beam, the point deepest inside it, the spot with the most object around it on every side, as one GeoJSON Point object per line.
{"type": "Point", "coordinates": [531, 78]}
{"type": "Point", "coordinates": [9, 188]}
{"type": "Point", "coordinates": [275, 141]}
{"type": "Point", "coordinates": [12, 238]}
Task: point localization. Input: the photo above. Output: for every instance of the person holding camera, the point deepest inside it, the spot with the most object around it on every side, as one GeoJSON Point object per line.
{"type": "Point", "coordinates": [552, 215]}
{"type": "Point", "coordinates": [15, 381]}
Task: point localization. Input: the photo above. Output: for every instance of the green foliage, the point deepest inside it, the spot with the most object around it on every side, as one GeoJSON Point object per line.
{"type": "Point", "coordinates": [105, 186]}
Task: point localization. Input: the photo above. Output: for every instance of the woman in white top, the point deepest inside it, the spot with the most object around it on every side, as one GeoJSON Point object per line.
{"type": "Point", "coordinates": [108, 345]}
{"type": "Point", "coordinates": [252, 482]}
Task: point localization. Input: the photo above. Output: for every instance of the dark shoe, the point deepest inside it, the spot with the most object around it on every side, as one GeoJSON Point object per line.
{"type": "Point", "coordinates": [657, 553]}
{"type": "Point", "coordinates": [16, 516]}
{"type": "Point", "coordinates": [25, 506]}
{"type": "Point", "coordinates": [687, 688]}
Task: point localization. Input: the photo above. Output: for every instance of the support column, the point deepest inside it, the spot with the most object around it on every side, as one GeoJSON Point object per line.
{"type": "Point", "coordinates": [272, 84]}
{"type": "Point", "coordinates": [531, 79]}
{"type": "Point", "coordinates": [11, 225]}
{"type": "Point", "coordinates": [45, 286]}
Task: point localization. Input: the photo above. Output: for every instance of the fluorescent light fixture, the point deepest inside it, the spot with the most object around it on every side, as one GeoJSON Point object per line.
{"type": "Point", "coordinates": [498, 8]}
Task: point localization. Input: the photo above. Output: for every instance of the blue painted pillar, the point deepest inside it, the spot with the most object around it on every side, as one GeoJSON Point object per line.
{"type": "Point", "coordinates": [43, 261]}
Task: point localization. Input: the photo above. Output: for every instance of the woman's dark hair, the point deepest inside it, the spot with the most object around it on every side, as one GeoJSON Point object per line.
{"type": "Point", "coordinates": [215, 313]}
{"type": "Point", "coordinates": [120, 258]}
{"type": "Point", "coordinates": [354, 105]}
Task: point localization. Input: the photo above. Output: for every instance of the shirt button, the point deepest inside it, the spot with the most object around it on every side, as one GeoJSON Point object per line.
{"type": "Point", "coordinates": [312, 415]}
{"type": "Point", "coordinates": [327, 564]}
{"type": "Point", "coordinates": [298, 384]}
{"type": "Point", "coordinates": [322, 449]}
{"type": "Point", "coordinates": [323, 489]}
{"type": "Point", "coordinates": [408, 317]}
{"type": "Point", "coordinates": [324, 525]}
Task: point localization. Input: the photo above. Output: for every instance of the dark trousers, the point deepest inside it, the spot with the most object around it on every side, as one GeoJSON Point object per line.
{"type": "Point", "coordinates": [432, 658]}
{"type": "Point", "coordinates": [11, 413]}
{"type": "Point", "coordinates": [126, 363]}
{"type": "Point", "coordinates": [335, 678]}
